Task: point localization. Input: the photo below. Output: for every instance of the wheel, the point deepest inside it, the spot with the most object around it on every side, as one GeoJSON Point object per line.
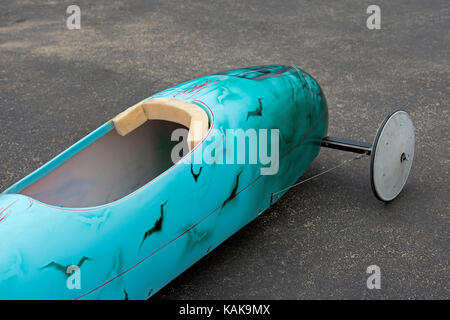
{"type": "Point", "coordinates": [392, 155]}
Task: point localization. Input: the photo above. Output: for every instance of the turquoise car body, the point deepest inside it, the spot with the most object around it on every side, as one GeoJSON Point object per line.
{"type": "Point", "coordinates": [134, 246]}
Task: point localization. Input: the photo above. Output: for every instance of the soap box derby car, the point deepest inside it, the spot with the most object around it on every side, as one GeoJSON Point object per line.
{"type": "Point", "coordinates": [112, 217]}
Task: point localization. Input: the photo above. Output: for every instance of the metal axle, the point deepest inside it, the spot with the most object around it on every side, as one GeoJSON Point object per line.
{"type": "Point", "coordinates": [347, 145]}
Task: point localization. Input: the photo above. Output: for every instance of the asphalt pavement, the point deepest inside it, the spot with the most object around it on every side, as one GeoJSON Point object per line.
{"type": "Point", "coordinates": [57, 85]}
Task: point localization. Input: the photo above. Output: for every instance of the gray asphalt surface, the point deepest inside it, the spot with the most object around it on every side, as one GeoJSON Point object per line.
{"type": "Point", "coordinates": [57, 85]}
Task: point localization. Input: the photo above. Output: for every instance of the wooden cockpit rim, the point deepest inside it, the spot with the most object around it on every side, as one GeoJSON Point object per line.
{"type": "Point", "coordinates": [169, 109]}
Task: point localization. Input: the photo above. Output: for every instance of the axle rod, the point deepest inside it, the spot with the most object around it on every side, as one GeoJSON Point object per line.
{"type": "Point", "coordinates": [347, 145]}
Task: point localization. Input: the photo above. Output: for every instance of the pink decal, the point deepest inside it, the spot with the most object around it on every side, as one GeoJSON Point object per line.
{"type": "Point", "coordinates": [4, 215]}
{"type": "Point", "coordinates": [194, 90]}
